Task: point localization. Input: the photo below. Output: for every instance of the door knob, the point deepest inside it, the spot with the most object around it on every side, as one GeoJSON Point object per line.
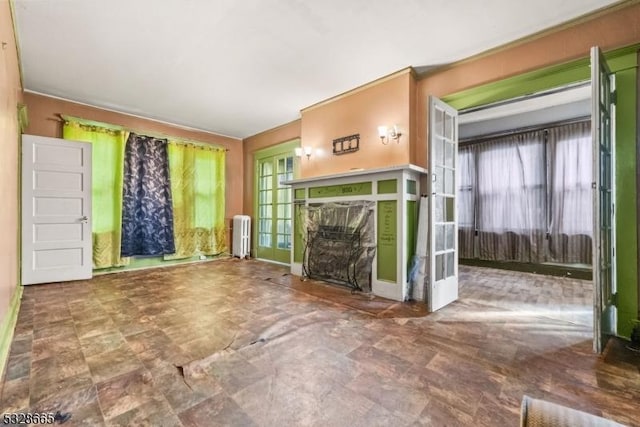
{"type": "Point", "coordinates": [84, 219]}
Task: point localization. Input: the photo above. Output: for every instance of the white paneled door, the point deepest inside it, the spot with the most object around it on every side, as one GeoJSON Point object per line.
{"type": "Point", "coordinates": [56, 210]}
{"type": "Point", "coordinates": [443, 214]}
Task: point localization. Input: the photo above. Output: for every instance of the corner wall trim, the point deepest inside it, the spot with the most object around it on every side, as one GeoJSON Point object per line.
{"type": "Point", "coordinates": [7, 327]}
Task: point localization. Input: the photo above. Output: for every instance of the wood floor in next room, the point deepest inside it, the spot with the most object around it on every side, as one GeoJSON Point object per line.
{"type": "Point", "coordinates": [243, 343]}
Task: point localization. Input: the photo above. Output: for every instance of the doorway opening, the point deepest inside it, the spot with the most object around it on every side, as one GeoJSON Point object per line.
{"type": "Point", "coordinates": [442, 117]}
{"type": "Point", "coordinates": [525, 204]}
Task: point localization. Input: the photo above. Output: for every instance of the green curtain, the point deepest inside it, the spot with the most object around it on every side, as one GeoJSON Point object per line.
{"type": "Point", "coordinates": [197, 175]}
{"type": "Point", "coordinates": [106, 188]}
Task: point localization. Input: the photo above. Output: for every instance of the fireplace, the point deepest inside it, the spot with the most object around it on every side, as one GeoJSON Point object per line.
{"type": "Point", "coordinates": [339, 245]}
{"type": "Point", "coordinates": [358, 228]}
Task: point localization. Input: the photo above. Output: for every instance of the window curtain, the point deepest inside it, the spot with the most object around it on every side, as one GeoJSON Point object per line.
{"type": "Point", "coordinates": [106, 188]}
{"type": "Point", "coordinates": [571, 168]}
{"type": "Point", "coordinates": [466, 201]}
{"type": "Point", "coordinates": [511, 193]}
{"type": "Point", "coordinates": [528, 197]}
{"type": "Point", "coordinates": [198, 194]}
{"type": "Point", "coordinates": [147, 214]}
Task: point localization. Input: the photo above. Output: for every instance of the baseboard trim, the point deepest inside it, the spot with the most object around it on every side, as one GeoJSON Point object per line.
{"type": "Point", "coordinates": [8, 326]}
{"type": "Point", "coordinates": [270, 261]}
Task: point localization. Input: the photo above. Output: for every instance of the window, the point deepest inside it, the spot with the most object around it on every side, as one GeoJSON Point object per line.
{"type": "Point", "coordinates": [532, 186]}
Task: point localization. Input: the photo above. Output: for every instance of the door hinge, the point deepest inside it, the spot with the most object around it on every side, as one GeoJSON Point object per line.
{"type": "Point", "coordinates": [614, 299]}
{"type": "Point", "coordinates": [614, 96]}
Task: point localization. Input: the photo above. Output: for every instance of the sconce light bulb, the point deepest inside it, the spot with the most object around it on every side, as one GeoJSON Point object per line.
{"type": "Point", "coordinates": [382, 132]}
{"type": "Point", "coordinates": [395, 133]}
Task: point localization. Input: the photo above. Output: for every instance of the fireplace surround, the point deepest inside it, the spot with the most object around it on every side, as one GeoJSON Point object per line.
{"type": "Point", "coordinates": [368, 250]}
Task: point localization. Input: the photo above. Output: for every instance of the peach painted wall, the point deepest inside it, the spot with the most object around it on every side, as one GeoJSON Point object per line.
{"type": "Point", "coordinates": [615, 29]}
{"type": "Point", "coordinates": [385, 102]}
{"type": "Point", "coordinates": [10, 96]}
{"type": "Point", "coordinates": [43, 121]}
{"type": "Point", "coordinates": [269, 138]}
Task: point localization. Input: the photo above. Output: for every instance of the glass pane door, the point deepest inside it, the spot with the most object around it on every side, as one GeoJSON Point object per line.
{"type": "Point", "coordinates": [603, 124]}
{"type": "Point", "coordinates": [274, 207]}
{"type": "Point", "coordinates": [443, 232]}
{"type": "Point", "coordinates": [283, 204]}
{"type": "Point", "coordinates": [265, 205]}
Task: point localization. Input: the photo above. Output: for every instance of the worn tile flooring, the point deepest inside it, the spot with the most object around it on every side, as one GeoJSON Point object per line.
{"type": "Point", "coordinates": [560, 298]}
{"type": "Point", "coordinates": [242, 343]}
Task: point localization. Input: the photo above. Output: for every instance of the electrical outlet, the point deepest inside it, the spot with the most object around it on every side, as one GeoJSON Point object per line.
{"type": "Point", "coordinates": [202, 257]}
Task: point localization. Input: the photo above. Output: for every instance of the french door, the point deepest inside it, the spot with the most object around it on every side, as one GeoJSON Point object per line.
{"type": "Point", "coordinates": [443, 215]}
{"type": "Point", "coordinates": [274, 208]}
{"type": "Point", "coordinates": [602, 132]}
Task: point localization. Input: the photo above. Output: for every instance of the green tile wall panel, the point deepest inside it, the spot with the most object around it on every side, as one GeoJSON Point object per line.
{"type": "Point", "coordinates": [344, 190]}
{"type": "Point", "coordinates": [300, 193]}
{"type": "Point", "coordinates": [387, 240]}
{"type": "Point", "coordinates": [388, 186]}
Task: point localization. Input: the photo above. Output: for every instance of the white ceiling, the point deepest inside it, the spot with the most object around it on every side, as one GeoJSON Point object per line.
{"type": "Point", "coordinates": [240, 67]}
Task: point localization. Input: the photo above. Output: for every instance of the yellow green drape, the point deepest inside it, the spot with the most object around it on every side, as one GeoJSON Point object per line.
{"type": "Point", "coordinates": [197, 175]}
{"type": "Point", "coordinates": [106, 188]}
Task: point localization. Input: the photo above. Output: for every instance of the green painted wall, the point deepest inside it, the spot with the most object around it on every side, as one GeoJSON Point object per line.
{"type": "Point", "coordinates": [623, 62]}
{"type": "Point", "coordinates": [387, 240]}
{"type": "Point", "coordinates": [539, 80]}
{"type": "Point", "coordinates": [7, 327]}
{"type": "Point", "coordinates": [626, 215]}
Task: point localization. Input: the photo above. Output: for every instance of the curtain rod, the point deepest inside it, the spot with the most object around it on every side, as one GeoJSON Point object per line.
{"type": "Point", "coordinates": [186, 141]}
{"type": "Point", "coordinates": [482, 138]}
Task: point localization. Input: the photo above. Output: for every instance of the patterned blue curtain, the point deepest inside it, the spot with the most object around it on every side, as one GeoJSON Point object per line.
{"type": "Point", "coordinates": [147, 213]}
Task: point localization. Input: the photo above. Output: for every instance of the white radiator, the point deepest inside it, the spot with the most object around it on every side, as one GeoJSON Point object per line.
{"type": "Point", "coordinates": [241, 236]}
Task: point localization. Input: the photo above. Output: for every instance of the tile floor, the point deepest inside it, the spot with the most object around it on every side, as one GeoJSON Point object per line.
{"type": "Point", "coordinates": [560, 298]}
{"type": "Point", "coordinates": [242, 343]}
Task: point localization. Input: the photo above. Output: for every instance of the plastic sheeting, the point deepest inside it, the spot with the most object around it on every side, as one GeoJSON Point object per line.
{"type": "Point", "coordinates": [339, 242]}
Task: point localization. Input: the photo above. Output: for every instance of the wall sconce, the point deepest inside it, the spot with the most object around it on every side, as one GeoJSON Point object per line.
{"type": "Point", "coordinates": [303, 150]}
{"type": "Point", "coordinates": [388, 133]}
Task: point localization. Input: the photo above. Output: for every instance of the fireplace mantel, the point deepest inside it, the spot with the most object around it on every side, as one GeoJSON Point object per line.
{"type": "Point", "coordinates": [396, 193]}
{"type": "Point", "coordinates": [356, 173]}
